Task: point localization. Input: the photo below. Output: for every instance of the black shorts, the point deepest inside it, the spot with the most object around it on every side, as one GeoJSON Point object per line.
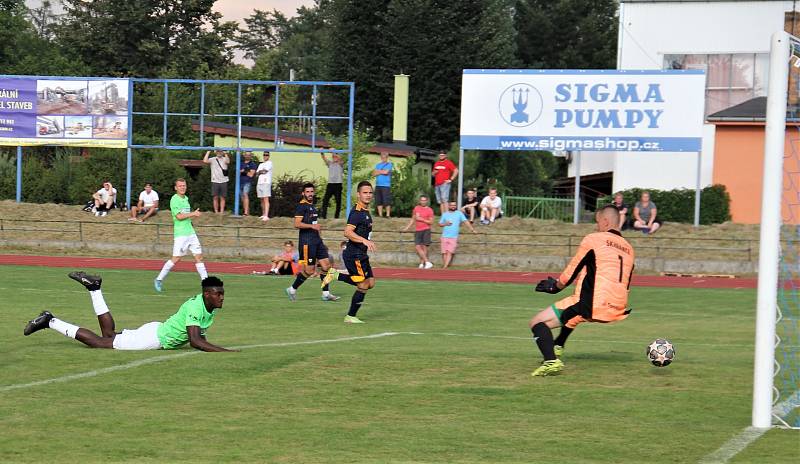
{"type": "Point", "coordinates": [358, 267]}
{"type": "Point", "coordinates": [383, 196]}
{"type": "Point", "coordinates": [311, 253]}
{"type": "Point", "coordinates": [422, 237]}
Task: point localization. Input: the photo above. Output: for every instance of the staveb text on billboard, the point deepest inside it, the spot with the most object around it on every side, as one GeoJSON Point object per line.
{"type": "Point", "coordinates": [582, 110]}
{"type": "Point", "coordinates": [74, 111]}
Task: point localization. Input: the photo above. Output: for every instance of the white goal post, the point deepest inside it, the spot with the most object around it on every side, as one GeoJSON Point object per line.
{"type": "Point", "coordinates": [769, 245]}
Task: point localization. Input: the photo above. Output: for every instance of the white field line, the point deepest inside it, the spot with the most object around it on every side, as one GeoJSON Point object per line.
{"type": "Point", "coordinates": [747, 436]}
{"type": "Point", "coordinates": [169, 357]}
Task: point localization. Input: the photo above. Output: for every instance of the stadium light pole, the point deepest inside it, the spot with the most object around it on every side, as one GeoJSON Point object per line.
{"type": "Point", "coordinates": [769, 245]}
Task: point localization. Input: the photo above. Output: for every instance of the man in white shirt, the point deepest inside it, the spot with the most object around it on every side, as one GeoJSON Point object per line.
{"type": "Point", "coordinates": [219, 178]}
{"type": "Point", "coordinates": [105, 199]}
{"type": "Point", "coordinates": [148, 204]}
{"type": "Point", "coordinates": [490, 207]}
{"type": "Point", "coordinates": [264, 185]}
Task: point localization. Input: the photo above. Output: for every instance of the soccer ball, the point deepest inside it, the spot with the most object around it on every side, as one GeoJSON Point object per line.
{"type": "Point", "coordinates": [661, 352]}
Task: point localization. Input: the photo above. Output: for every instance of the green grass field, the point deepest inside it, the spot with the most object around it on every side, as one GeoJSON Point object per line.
{"type": "Point", "coordinates": [446, 378]}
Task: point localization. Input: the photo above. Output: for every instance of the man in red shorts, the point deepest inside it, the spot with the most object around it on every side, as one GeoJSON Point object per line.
{"type": "Point", "coordinates": [602, 270]}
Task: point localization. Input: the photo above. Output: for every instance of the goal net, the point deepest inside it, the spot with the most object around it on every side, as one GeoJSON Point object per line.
{"type": "Point", "coordinates": [776, 393]}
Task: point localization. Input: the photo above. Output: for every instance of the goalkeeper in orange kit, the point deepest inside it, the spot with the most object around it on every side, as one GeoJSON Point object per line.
{"type": "Point", "coordinates": [602, 270]}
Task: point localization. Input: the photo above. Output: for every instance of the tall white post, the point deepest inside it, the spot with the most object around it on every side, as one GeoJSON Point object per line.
{"type": "Point", "coordinates": [769, 246]}
{"type": "Point", "coordinates": [576, 210]}
{"type": "Point", "coordinates": [460, 177]}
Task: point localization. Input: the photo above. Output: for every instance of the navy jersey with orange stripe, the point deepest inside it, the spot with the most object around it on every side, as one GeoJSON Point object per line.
{"type": "Point", "coordinates": [308, 212]}
{"type": "Point", "coordinates": [602, 270]}
{"type": "Point", "coordinates": [361, 221]}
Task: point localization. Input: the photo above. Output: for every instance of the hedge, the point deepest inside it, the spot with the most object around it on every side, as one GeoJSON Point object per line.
{"type": "Point", "coordinates": [678, 205]}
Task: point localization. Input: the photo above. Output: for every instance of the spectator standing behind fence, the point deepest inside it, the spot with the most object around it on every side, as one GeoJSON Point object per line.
{"type": "Point", "coordinates": [219, 178]}
{"type": "Point", "coordinates": [105, 199]}
{"type": "Point", "coordinates": [422, 217]}
{"type": "Point", "coordinates": [451, 225]}
{"type": "Point", "coordinates": [147, 205]}
{"type": "Point", "coordinates": [470, 205]}
{"type": "Point", "coordinates": [334, 188]}
{"type": "Point", "coordinates": [644, 215]}
{"type": "Point", "coordinates": [622, 207]}
{"type": "Point", "coordinates": [383, 185]}
{"type": "Point", "coordinates": [444, 171]}
{"type": "Point", "coordinates": [490, 207]}
{"type": "Point", "coordinates": [246, 172]}
{"type": "Point", "coordinates": [264, 185]}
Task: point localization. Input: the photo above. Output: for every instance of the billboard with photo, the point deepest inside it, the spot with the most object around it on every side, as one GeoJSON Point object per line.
{"type": "Point", "coordinates": [582, 110]}
{"type": "Point", "coordinates": [80, 112]}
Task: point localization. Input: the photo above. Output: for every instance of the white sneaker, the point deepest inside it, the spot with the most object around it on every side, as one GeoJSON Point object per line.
{"type": "Point", "coordinates": [97, 213]}
{"type": "Point", "coordinates": [421, 265]}
{"type": "Point", "coordinates": [105, 213]}
{"type": "Point", "coordinates": [428, 265]}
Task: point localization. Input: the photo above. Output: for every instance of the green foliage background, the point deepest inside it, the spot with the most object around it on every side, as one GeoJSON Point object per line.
{"type": "Point", "coordinates": [678, 205]}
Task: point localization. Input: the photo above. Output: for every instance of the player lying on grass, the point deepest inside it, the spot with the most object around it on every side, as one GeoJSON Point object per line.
{"type": "Point", "coordinates": [188, 325]}
{"type": "Point", "coordinates": [602, 270]}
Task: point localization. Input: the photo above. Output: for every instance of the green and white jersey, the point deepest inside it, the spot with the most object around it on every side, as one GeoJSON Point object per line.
{"type": "Point", "coordinates": [181, 227]}
{"type": "Point", "coordinates": [173, 334]}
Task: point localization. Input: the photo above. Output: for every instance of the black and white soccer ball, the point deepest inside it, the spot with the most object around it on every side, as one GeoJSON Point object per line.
{"type": "Point", "coordinates": [661, 352]}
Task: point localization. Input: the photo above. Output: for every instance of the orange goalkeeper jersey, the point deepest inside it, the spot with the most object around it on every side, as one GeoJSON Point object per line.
{"type": "Point", "coordinates": [602, 269]}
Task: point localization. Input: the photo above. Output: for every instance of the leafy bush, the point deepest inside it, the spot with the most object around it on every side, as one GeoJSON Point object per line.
{"type": "Point", "coordinates": [678, 205]}
{"type": "Point", "coordinates": [406, 189]}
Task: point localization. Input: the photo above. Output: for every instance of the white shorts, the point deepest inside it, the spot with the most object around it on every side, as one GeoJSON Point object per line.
{"type": "Point", "coordinates": [143, 338]}
{"type": "Point", "coordinates": [186, 243]}
{"type": "Point", "coordinates": [264, 190]}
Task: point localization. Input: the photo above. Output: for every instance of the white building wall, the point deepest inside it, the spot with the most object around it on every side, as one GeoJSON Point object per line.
{"type": "Point", "coordinates": [593, 162]}
{"type": "Point", "coordinates": [650, 30]}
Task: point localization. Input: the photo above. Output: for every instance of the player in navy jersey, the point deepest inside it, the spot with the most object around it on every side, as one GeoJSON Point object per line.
{"type": "Point", "coordinates": [311, 249]}
{"type": "Point", "coordinates": [356, 260]}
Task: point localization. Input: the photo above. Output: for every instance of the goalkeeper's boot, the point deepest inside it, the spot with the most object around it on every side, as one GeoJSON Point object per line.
{"type": "Point", "coordinates": [559, 350]}
{"type": "Point", "coordinates": [329, 277]}
{"type": "Point", "coordinates": [42, 321]}
{"type": "Point", "coordinates": [89, 281]}
{"type": "Point", "coordinates": [353, 320]}
{"type": "Point", "coordinates": [552, 367]}
{"type": "Point", "coordinates": [330, 297]}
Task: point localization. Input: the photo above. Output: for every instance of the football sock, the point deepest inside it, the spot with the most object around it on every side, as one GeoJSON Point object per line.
{"type": "Point", "coordinates": [98, 302]}
{"type": "Point", "coordinates": [165, 270]}
{"type": "Point", "coordinates": [64, 328]}
{"type": "Point", "coordinates": [201, 269]}
{"type": "Point", "coordinates": [544, 340]}
{"type": "Point", "coordinates": [355, 303]}
{"type": "Point", "coordinates": [299, 281]}
{"type": "Point", "coordinates": [562, 336]}
{"type": "Point", "coordinates": [346, 279]}
{"type": "Point", "coordinates": [325, 288]}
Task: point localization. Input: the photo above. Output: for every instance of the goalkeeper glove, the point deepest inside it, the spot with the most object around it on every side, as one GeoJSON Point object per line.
{"type": "Point", "coordinates": [548, 285]}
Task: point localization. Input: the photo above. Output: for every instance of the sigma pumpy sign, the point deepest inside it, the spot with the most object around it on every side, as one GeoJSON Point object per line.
{"type": "Point", "coordinates": [582, 110]}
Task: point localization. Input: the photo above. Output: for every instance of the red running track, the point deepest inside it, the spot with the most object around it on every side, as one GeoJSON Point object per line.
{"type": "Point", "coordinates": [382, 273]}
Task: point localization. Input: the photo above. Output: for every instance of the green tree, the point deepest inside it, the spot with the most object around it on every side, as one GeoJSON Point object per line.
{"type": "Point", "coordinates": [567, 34]}
{"type": "Point", "coordinates": [24, 51]}
{"type": "Point", "coordinates": [147, 38]}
